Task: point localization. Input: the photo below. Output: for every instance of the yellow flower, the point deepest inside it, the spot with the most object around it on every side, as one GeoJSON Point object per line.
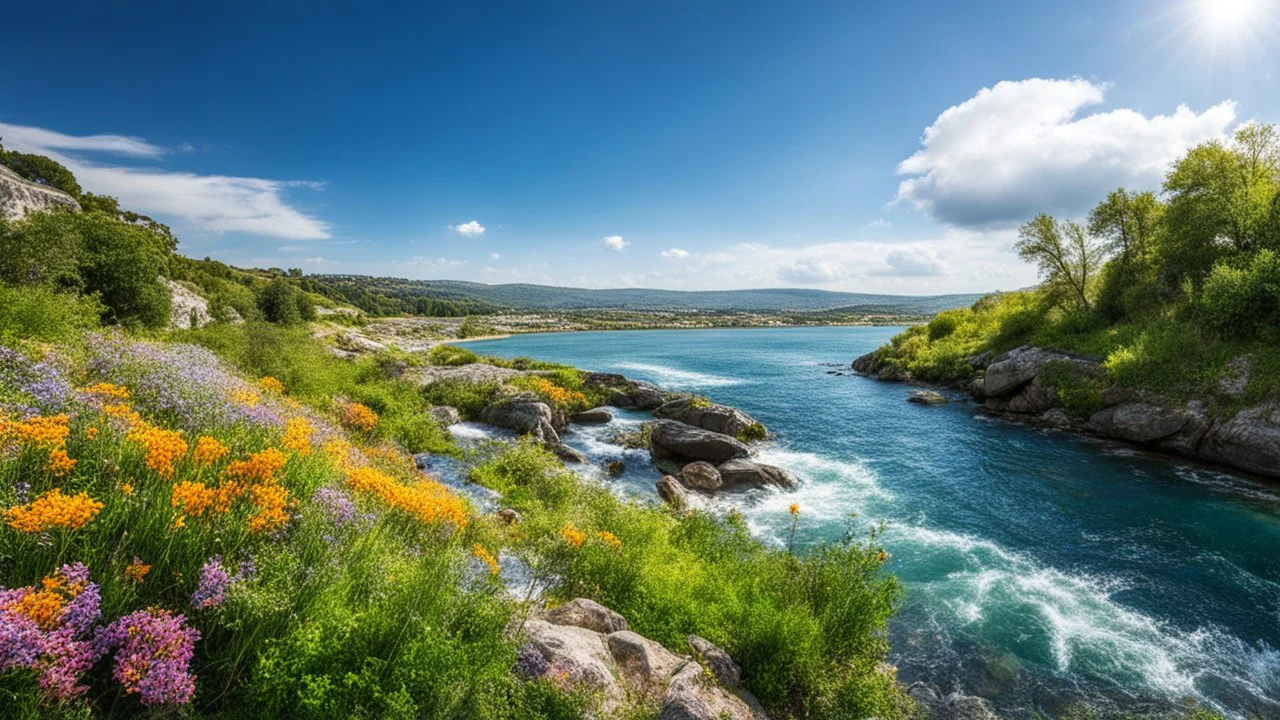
{"type": "Point", "coordinates": [272, 500]}
{"type": "Point", "coordinates": [794, 509]}
{"type": "Point", "coordinates": [118, 392]}
{"type": "Point", "coordinates": [53, 510]}
{"type": "Point", "coordinates": [50, 432]}
{"type": "Point", "coordinates": [297, 436]}
{"type": "Point", "coordinates": [208, 451]}
{"type": "Point", "coordinates": [486, 557]}
{"type": "Point", "coordinates": [357, 416]}
{"type": "Point", "coordinates": [245, 397]}
{"type": "Point", "coordinates": [45, 605]}
{"type": "Point", "coordinates": [271, 384]}
{"type": "Point", "coordinates": [91, 432]}
{"type": "Point", "coordinates": [609, 539]}
{"type": "Point", "coordinates": [427, 500]}
{"type": "Point", "coordinates": [59, 462]}
{"type": "Point", "coordinates": [260, 467]}
{"type": "Point", "coordinates": [193, 498]}
{"type": "Point", "coordinates": [164, 447]}
{"type": "Point", "coordinates": [573, 535]}
{"type": "Point", "coordinates": [179, 522]}
{"type": "Point", "coordinates": [136, 570]}
{"type": "Point", "coordinates": [127, 488]}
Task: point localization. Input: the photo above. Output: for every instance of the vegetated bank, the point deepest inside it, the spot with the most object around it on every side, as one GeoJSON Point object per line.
{"type": "Point", "coordinates": [1158, 321]}
{"type": "Point", "coordinates": [208, 512]}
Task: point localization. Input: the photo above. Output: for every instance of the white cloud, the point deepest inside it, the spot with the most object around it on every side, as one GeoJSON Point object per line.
{"type": "Point", "coordinates": [913, 262]}
{"type": "Point", "coordinates": [315, 260]}
{"type": "Point", "coordinates": [614, 243]}
{"type": "Point", "coordinates": [880, 223]}
{"type": "Point", "coordinates": [676, 253]}
{"type": "Point", "coordinates": [214, 203]}
{"type": "Point", "coordinates": [495, 256]}
{"type": "Point", "coordinates": [813, 271]}
{"type": "Point", "coordinates": [1020, 148]}
{"type": "Point", "coordinates": [470, 228]}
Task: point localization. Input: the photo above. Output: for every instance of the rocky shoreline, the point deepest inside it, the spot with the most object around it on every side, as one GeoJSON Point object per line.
{"type": "Point", "coordinates": [1070, 392]}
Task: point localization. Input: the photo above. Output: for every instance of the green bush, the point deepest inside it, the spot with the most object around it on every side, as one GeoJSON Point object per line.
{"type": "Point", "coordinates": [123, 264]}
{"type": "Point", "coordinates": [37, 313]}
{"type": "Point", "coordinates": [1244, 301]}
{"type": "Point", "coordinates": [451, 355]}
{"type": "Point", "coordinates": [468, 397]}
{"type": "Point", "coordinates": [42, 249]}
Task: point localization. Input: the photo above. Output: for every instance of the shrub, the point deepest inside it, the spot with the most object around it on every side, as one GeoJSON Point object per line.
{"type": "Point", "coordinates": [1244, 301]}
{"type": "Point", "coordinates": [468, 397]}
{"type": "Point", "coordinates": [42, 249]}
{"type": "Point", "coordinates": [451, 355]}
{"type": "Point", "coordinates": [35, 313]}
{"type": "Point", "coordinates": [278, 302]}
{"type": "Point", "coordinates": [123, 264]}
{"type": "Point", "coordinates": [754, 432]}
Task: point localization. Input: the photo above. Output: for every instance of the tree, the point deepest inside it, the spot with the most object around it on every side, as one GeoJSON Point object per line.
{"type": "Point", "coordinates": [123, 264]}
{"type": "Point", "coordinates": [42, 170]}
{"type": "Point", "coordinates": [1126, 222]}
{"type": "Point", "coordinates": [278, 302]}
{"type": "Point", "coordinates": [41, 249]}
{"type": "Point", "coordinates": [1067, 255]}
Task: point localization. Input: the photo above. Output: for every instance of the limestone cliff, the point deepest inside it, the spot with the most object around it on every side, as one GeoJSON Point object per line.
{"type": "Point", "coordinates": [19, 196]}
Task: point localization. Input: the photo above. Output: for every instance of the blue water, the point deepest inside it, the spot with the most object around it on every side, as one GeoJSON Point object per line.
{"type": "Point", "coordinates": [1040, 568]}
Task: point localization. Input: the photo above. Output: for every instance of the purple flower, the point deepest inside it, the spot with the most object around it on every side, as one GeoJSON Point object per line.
{"type": "Point", "coordinates": [336, 504]}
{"type": "Point", "coordinates": [21, 641]}
{"type": "Point", "coordinates": [62, 654]}
{"type": "Point", "coordinates": [42, 387]}
{"type": "Point", "coordinates": [214, 582]}
{"type": "Point", "coordinates": [63, 661]}
{"type": "Point", "coordinates": [530, 663]}
{"type": "Point", "coordinates": [153, 652]}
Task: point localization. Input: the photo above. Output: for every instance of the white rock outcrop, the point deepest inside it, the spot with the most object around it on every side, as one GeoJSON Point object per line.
{"type": "Point", "coordinates": [20, 197]}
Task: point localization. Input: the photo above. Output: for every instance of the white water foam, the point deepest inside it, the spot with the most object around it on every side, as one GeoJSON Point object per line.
{"type": "Point", "coordinates": [675, 377]}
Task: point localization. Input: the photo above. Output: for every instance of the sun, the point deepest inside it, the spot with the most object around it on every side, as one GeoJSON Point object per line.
{"type": "Point", "coordinates": [1227, 20]}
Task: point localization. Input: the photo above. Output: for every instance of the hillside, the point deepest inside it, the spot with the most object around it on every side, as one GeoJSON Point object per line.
{"type": "Point", "coordinates": [524, 296]}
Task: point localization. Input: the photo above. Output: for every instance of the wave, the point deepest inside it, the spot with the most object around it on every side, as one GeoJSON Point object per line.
{"type": "Point", "coordinates": [675, 377]}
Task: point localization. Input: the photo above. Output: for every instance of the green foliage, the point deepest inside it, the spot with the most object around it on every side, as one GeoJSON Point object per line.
{"type": "Point", "coordinates": [468, 397]}
{"type": "Point", "coordinates": [808, 629]}
{"type": "Point", "coordinates": [471, 327]}
{"type": "Point", "coordinates": [1079, 392]}
{"type": "Point", "coordinates": [123, 264]}
{"type": "Point", "coordinates": [1067, 255]}
{"type": "Point", "coordinates": [699, 402]}
{"type": "Point", "coordinates": [1244, 302]}
{"type": "Point", "coordinates": [42, 170]}
{"type": "Point", "coordinates": [37, 313]}
{"type": "Point", "coordinates": [281, 303]}
{"type": "Point", "coordinates": [755, 432]}
{"type": "Point", "coordinates": [40, 250]}
{"type": "Point", "coordinates": [637, 439]}
{"type": "Point", "coordinates": [451, 355]}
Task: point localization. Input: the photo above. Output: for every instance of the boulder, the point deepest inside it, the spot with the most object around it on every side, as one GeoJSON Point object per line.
{"type": "Point", "coordinates": [1032, 398]}
{"type": "Point", "coordinates": [717, 661]}
{"type": "Point", "coordinates": [569, 455]}
{"type": "Point", "coordinates": [589, 614]}
{"type": "Point", "coordinates": [926, 397]}
{"type": "Point", "coordinates": [1250, 440]}
{"type": "Point", "coordinates": [524, 413]}
{"type": "Point", "coordinates": [598, 416]}
{"type": "Point", "coordinates": [694, 695]}
{"type": "Point", "coordinates": [445, 415]}
{"type": "Point", "coordinates": [188, 309]}
{"type": "Point", "coordinates": [862, 363]}
{"type": "Point", "coordinates": [698, 413]}
{"type": "Point", "coordinates": [668, 465]}
{"type": "Point", "coordinates": [1022, 364]}
{"type": "Point", "coordinates": [643, 663]}
{"type": "Point", "coordinates": [673, 493]}
{"type": "Point", "coordinates": [579, 655]}
{"type": "Point", "coordinates": [978, 389]}
{"type": "Point", "coordinates": [1138, 421]}
{"type": "Point", "coordinates": [1233, 383]}
{"type": "Point", "coordinates": [422, 461]}
{"type": "Point", "coordinates": [745, 472]}
{"type": "Point", "coordinates": [624, 392]}
{"type": "Point", "coordinates": [701, 475]}
{"type": "Point", "coordinates": [509, 516]}
{"type": "Point", "coordinates": [675, 440]}
{"type": "Point", "coordinates": [953, 706]}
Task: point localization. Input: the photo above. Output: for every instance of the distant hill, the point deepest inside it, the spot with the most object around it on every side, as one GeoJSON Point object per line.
{"type": "Point", "coordinates": [521, 296]}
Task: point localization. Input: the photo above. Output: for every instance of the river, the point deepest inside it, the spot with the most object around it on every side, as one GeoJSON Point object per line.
{"type": "Point", "coordinates": [1041, 568]}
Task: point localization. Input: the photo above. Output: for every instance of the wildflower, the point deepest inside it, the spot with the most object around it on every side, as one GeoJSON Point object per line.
{"type": "Point", "coordinates": [297, 436]}
{"type": "Point", "coordinates": [271, 384]}
{"type": "Point", "coordinates": [208, 451]}
{"type": "Point", "coordinates": [49, 432]}
{"type": "Point", "coordinates": [794, 509]}
{"type": "Point", "coordinates": [103, 389]}
{"type": "Point", "coordinates": [179, 522]}
{"type": "Point", "coordinates": [486, 557]}
{"type": "Point", "coordinates": [153, 652]}
{"type": "Point", "coordinates": [248, 398]}
{"type": "Point", "coordinates": [164, 447]}
{"type": "Point", "coordinates": [573, 535]}
{"type": "Point", "coordinates": [59, 463]}
{"type": "Point", "coordinates": [41, 385]}
{"type": "Point", "coordinates": [214, 582]}
{"type": "Point", "coordinates": [127, 488]}
{"type": "Point", "coordinates": [357, 417]}
{"type": "Point", "coordinates": [259, 468]}
{"type": "Point", "coordinates": [882, 557]}
{"type": "Point", "coordinates": [427, 500]}
{"type": "Point", "coordinates": [553, 393]}
{"type": "Point", "coordinates": [609, 539]}
{"type": "Point", "coordinates": [91, 432]}
{"type": "Point", "coordinates": [46, 630]}
{"type": "Point", "coordinates": [53, 510]}
{"type": "Point", "coordinates": [271, 500]}
{"type": "Point", "coordinates": [136, 570]}
{"type": "Point", "coordinates": [336, 504]}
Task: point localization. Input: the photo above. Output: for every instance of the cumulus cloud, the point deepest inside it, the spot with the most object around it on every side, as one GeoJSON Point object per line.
{"type": "Point", "coordinates": [614, 243]}
{"type": "Point", "coordinates": [215, 203]}
{"type": "Point", "coordinates": [813, 271]}
{"type": "Point", "coordinates": [676, 253]}
{"type": "Point", "coordinates": [1023, 147]}
{"type": "Point", "coordinates": [468, 229]}
{"type": "Point", "coordinates": [913, 262]}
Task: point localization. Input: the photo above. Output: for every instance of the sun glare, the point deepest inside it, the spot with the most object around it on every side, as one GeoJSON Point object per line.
{"type": "Point", "coordinates": [1227, 19]}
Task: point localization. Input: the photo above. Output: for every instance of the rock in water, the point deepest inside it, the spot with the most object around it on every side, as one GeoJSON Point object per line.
{"type": "Point", "coordinates": [745, 472]}
{"type": "Point", "coordinates": [716, 418]}
{"type": "Point", "coordinates": [589, 614]}
{"type": "Point", "coordinates": [701, 475]}
{"type": "Point", "coordinates": [569, 455]}
{"type": "Point", "coordinates": [598, 416]}
{"type": "Point", "coordinates": [675, 440]}
{"type": "Point", "coordinates": [1250, 440]}
{"type": "Point", "coordinates": [673, 493]}
{"type": "Point", "coordinates": [525, 414]}
{"type": "Point", "coordinates": [445, 415]}
{"type": "Point", "coordinates": [926, 397]}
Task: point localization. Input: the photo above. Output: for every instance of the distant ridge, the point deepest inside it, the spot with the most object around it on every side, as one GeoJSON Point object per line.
{"type": "Point", "coordinates": [524, 296]}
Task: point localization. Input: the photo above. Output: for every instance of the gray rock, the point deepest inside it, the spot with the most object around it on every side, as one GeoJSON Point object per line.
{"type": "Point", "coordinates": [525, 414]}
{"type": "Point", "coordinates": [717, 660]}
{"type": "Point", "coordinates": [673, 493]}
{"type": "Point", "coordinates": [569, 455]}
{"type": "Point", "coordinates": [578, 654]}
{"type": "Point", "coordinates": [644, 664]}
{"type": "Point", "coordinates": [445, 415]}
{"type": "Point", "coordinates": [675, 440]}
{"type": "Point", "coordinates": [701, 475]}
{"type": "Point", "coordinates": [1239, 373]}
{"type": "Point", "coordinates": [19, 196]}
{"type": "Point", "coordinates": [624, 392]}
{"type": "Point", "coordinates": [1057, 417]}
{"type": "Point", "coordinates": [745, 472]}
{"type": "Point", "coordinates": [694, 695]}
{"type": "Point", "coordinates": [1032, 398]}
{"type": "Point", "coordinates": [1250, 440]}
{"type": "Point", "coordinates": [589, 614]}
{"type": "Point", "coordinates": [598, 416]}
{"type": "Point", "coordinates": [953, 706]}
{"type": "Point", "coordinates": [669, 465]}
{"type": "Point", "coordinates": [978, 389]}
{"type": "Point", "coordinates": [862, 363]}
{"type": "Point", "coordinates": [189, 309]}
{"type": "Point", "coordinates": [926, 397]}
{"type": "Point", "coordinates": [422, 461]}
{"type": "Point", "coordinates": [716, 418]}
{"type": "Point", "coordinates": [1139, 421]}
{"type": "Point", "coordinates": [1019, 366]}
{"type": "Point", "coordinates": [1187, 441]}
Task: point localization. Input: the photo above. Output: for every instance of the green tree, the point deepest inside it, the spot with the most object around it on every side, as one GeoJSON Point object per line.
{"type": "Point", "coordinates": [278, 302]}
{"type": "Point", "coordinates": [41, 249]}
{"type": "Point", "coordinates": [124, 265]}
{"type": "Point", "coordinates": [1068, 257]}
{"type": "Point", "coordinates": [42, 170]}
{"type": "Point", "coordinates": [1126, 223]}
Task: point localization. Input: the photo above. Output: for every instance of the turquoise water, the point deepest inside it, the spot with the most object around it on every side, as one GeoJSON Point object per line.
{"type": "Point", "coordinates": [1040, 568]}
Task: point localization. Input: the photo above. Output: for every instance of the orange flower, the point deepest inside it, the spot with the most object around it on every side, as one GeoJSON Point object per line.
{"type": "Point", "coordinates": [272, 500]}
{"type": "Point", "coordinates": [486, 557]}
{"type": "Point", "coordinates": [91, 432]}
{"type": "Point", "coordinates": [357, 416]}
{"type": "Point", "coordinates": [164, 447]}
{"type": "Point", "coordinates": [794, 509]}
{"type": "Point", "coordinates": [573, 535]}
{"type": "Point", "coordinates": [245, 397]}
{"type": "Point", "coordinates": [271, 384]}
{"type": "Point", "coordinates": [297, 436]}
{"type": "Point", "coordinates": [53, 510]}
{"type": "Point", "coordinates": [127, 488]}
{"type": "Point", "coordinates": [429, 501]}
{"type": "Point", "coordinates": [179, 522]}
{"type": "Point", "coordinates": [609, 539]}
{"type": "Point", "coordinates": [136, 570]}
{"type": "Point", "coordinates": [118, 392]}
{"type": "Point", "coordinates": [50, 432]}
{"type": "Point", "coordinates": [260, 467]}
{"type": "Point", "coordinates": [208, 451]}
{"type": "Point", "coordinates": [193, 498]}
{"type": "Point", "coordinates": [123, 412]}
{"type": "Point", "coordinates": [45, 605]}
{"type": "Point", "coordinates": [59, 462]}
{"type": "Point", "coordinates": [554, 393]}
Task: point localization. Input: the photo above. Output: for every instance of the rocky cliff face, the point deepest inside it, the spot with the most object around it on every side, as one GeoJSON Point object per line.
{"type": "Point", "coordinates": [1024, 383]}
{"type": "Point", "coordinates": [20, 197]}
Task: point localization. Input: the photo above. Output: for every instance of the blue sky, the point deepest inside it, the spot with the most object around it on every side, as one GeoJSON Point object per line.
{"type": "Point", "coordinates": [687, 145]}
